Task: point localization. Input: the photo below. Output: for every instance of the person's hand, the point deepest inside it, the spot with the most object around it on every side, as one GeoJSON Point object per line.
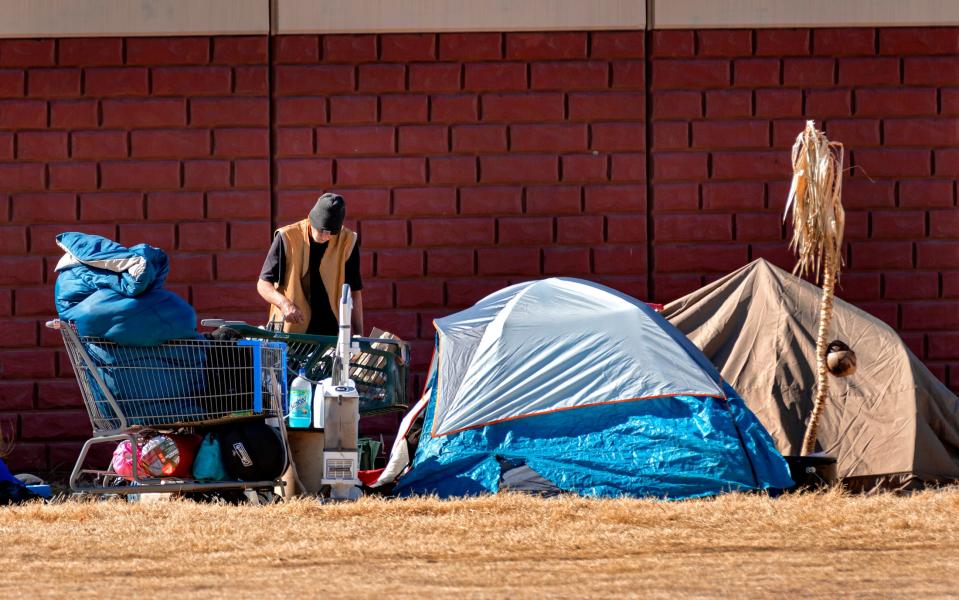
{"type": "Point", "coordinates": [291, 314]}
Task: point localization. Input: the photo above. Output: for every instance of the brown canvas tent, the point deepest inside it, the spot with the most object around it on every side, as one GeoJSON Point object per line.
{"type": "Point", "coordinates": [892, 424]}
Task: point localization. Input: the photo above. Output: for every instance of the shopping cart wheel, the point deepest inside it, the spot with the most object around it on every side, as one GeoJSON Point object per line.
{"type": "Point", "coordinates": [260, 497]}
{"type": "Point", "coordinates": [88, 497]}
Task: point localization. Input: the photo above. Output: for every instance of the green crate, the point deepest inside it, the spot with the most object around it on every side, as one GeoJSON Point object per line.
{"type": "Point", "coordinates": [381, 388]}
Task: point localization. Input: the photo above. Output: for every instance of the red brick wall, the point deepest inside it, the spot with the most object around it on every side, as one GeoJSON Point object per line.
{"type": "Point", "coordinates": [470, 161]}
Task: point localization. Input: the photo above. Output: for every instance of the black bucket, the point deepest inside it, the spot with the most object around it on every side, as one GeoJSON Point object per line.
{"type": "Point", "coordinates": [811, 472]}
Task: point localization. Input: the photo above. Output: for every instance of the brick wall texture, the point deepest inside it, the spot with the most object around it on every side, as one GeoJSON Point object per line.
{"type": "Point", "coordinates": [469, 162]}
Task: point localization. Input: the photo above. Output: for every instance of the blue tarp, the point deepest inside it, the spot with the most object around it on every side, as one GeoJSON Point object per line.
{"type": "Point", "coordinates": [6, 475]}
{"type": "Point", "coordinates": [115, 292]}
{"type": "Point", "coordinates": [675, 447]}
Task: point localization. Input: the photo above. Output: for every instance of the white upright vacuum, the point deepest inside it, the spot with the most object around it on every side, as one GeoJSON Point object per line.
{"type": "Point", "coordinates": [339, 413]}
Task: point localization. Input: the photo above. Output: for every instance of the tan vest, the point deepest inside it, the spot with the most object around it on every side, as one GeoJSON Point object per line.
{"type": "Point", "coordinates": [296, 271]}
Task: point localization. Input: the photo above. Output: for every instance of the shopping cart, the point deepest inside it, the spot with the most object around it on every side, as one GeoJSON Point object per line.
{"type": "Point", "coordinates": [380, 368]}
{"type": "Point", "coordinates": [131, 393]}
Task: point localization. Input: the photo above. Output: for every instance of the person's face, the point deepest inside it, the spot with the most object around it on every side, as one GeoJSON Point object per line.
{"type": "Point", "coordinates": [320, 235]}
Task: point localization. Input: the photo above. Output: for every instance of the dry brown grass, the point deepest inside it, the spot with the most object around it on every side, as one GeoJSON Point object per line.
{"type": "Point", "coordinates": [499, 546]}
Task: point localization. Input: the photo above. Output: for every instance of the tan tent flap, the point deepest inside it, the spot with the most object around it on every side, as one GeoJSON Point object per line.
{"type": "Point", "coordinates": [891, 423]}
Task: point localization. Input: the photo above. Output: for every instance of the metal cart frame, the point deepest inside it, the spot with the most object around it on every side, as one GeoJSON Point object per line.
{"type": "Point", "coordinates": [132, 391]}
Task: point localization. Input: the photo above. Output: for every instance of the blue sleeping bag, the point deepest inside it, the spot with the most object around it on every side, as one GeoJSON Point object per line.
{"type": "Point", "coordinates": [115, 292]}
{"type": "Point", "coordinates": [151, 385]}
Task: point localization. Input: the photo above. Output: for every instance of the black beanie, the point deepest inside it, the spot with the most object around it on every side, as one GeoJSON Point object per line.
{"type": "Point", "coordinates": [328, 214]}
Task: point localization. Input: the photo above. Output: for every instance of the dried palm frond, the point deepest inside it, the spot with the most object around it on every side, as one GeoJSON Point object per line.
{"type": "Point", "coordinates": [815, 198]}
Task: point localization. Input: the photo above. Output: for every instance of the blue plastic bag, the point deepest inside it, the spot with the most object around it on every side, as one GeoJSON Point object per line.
{"type": "Point", "coordinates": [208, 464]}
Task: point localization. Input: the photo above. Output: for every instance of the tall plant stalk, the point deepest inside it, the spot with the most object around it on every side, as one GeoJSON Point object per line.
{"type": "Point", "coordinates": [815, 198]}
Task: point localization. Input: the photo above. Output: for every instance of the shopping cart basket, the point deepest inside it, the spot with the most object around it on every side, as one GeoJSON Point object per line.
{"type": "Point", "coordinates": [131, 392]}
{"type": "Point", "coordinates": [380, 369]}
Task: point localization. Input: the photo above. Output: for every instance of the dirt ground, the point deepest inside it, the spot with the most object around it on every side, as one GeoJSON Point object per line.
{"type": "Point", "coordinates": [499, 546]}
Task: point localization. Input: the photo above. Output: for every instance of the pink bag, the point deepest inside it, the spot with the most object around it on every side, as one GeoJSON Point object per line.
{"type": "Point", "coordinates": [122, 462]}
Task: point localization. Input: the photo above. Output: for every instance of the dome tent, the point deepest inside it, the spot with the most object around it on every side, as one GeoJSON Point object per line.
{"type": "Point", "coordinates": [891, 425]}
{"type": "Point", "coordinates": [587, 388]}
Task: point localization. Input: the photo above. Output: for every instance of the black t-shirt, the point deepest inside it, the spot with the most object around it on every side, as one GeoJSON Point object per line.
{"type": "Point", "coordinates": [323, 321]}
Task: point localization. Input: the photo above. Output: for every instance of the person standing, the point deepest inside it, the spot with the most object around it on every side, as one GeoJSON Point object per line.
{"type": "Point", "coordinates": [302, 278]}
{"type": "Point", "coordinates": [303, 275]}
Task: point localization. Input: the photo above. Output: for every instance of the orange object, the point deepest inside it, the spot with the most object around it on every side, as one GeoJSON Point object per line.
{"type": "Point", "coordinates": [170, 455]}
{"type": "Point", "coordinates": [369, 477]}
